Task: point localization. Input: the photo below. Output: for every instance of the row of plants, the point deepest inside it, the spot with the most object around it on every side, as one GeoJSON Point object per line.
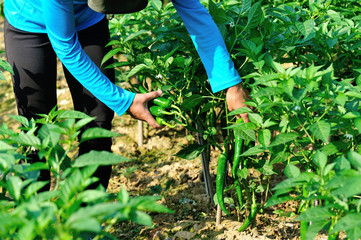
{"type": "Point", "coordinates": [299, 60]}
{"type": "Point", "coordinates": [71, 208]}
{"type": "Point", "coordinates": [305, 122]}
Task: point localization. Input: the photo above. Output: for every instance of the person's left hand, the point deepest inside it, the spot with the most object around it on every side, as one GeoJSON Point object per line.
{"type": "Point", "coordinates": [139, 108]}
{"type": "Point", "coordinates": [235, 97]}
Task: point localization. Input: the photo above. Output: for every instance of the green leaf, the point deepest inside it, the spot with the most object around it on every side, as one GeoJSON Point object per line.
{"type": "Point", "coordinates": [33, 188]}
{"type": "Point", "coordinates": [341, 99]}
{"type": "Point", "coordinates": [244, 130]}
{"type": "Point", "coordinates": [26, 231]}
{"type": "Point", "coordinates": [267, 92]}
{"type": "Point", "coordinates": [243, 173]}
{"type": "Point", "coordinates": [92, 195]}
{"type": "Point", "coordinates": [350, 115]}
{"type": "Point", "coordinates": [136, 69]}
{"type": "Point", "coordinates": [342, 163]}
{"type": "Point", "coordinates": [82, 122]}
{"type": "Point", "coordinates": [86, 224]}
{"type": "Point", "coordinates": [97, 132]}
{"type": "Point", "coordinates": [280, 157]}
{"type": "Point", "coordinates": [354, 234]}
{"type": "Point", "coordinates": [21, 119]}
{"type": "Point", "coordinates": [51, 131]}
{"type": "Point", "coordinates": [14, 187]}
{"type": "Point", "coordinates": [123, 196]}
{"type": "Point", "coordinates": [156, 4]}
{"type": "Point", "coordinates": [191, 152]}
{"type": "Point", "coordinates": [141, 218]}
{"type": "Point", "coordinates": [192, 101]}
{"type": "Point", "coordinates": [296, 181]}
{"type": "Point", "coordinates": [320, 160]}
{"type": "Point", "coordinates": [315, 227]}
{"type": "Point", "coordinates": [355, 159]}
{"type": "Point", "coordinates": [153, 206]}
{"type": "Point", "coordinates": [72, 114]}
{"type": "Point", "coordinates": [253, 151]}
{"type": "Point", "coordinates": [240, 110]}
{"type": "Point", "coordinates": [6, 66]}
{"type": "Point", "coordinates": [334, 16]}
{"type": "Point", "coordinates": [136, 34]}
{"type": "Point", "coordinates": [328, 168]}
{"type": "Point", "coordinates": [309, 26]}
{"type": "Point", "coordinates": [110, 54]}
{"type": "Point", "coordinates": [255, 118]}
{"type": "Point", "coordinates": [277, 199]}
{"type": "Point", "coordinates": [28, 140]}
{"type": "Point", "coordinates": [292, 171]}
{"type": "Point", "coordinates": [246, 5]}
{"type": "Point", "coordinates": [357, 123]}
{"type": "Point", "coordinates": [4, 146]}
{"type": "Point", "coordinates": [350, 188]}
{"type": "Point", "coordinates": [353, 94]}
{"type": "Point", "coordinates": [329, 149]}
{"type": "Point", "coordinates": [35, 167]}
{"type": "Point", "coordinates": [348, 222]}
{"type": "Point", "coordinates": [314, 214]}
{"type": "Point", "coordinates": [283, 138]}
{"type": "Point", "coordinates": [246, 134]}
{"type": "Point", "coordinates": [264, 137]}
{"type": "Point", "coordinates": [255, 15]}
{"type": "Point", "coordinates": [100, 158]}
{"type": "Point", "coordinates": [321, 130]}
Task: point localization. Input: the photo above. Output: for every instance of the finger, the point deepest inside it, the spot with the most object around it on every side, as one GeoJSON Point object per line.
{"type": "Point", "coordinates": [151, 121]}
{"type": "Point", "coordinates": [245, 118]}
{"type": "Point", "coordinates": [151, 95]}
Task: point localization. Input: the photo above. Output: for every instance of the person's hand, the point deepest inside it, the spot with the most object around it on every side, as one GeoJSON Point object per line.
{"type": "Point", "coordinates": [235, 97]}
{"type": "Point", "coordinates": [139, 108]}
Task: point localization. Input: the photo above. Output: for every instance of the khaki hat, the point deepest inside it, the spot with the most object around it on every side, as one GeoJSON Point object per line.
{"type": "Point", "coordinates": [117, 6]}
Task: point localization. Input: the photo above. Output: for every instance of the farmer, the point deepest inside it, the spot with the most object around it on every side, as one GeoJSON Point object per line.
{"type": "Point", "coordinates": [38, 31]}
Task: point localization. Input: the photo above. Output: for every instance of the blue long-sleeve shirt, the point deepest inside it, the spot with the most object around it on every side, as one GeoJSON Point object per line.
{"type": "Point", "coordinates": [61, 19]}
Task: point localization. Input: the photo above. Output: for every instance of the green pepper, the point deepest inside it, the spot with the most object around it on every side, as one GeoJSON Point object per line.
{"type": "Point", "coordinates": [221, 174]}
{"type": "Point", "coordinates": [239, 192]}
{"type": "Point", "coordinates": [250, 218]}
{"type": "Point", "coordinates": [158, 111]}
{"type": "Point", "coordinates": [163, 102]}
{"type": "Point", "coordinates": [303, 229]}
{"type": "Point", "coordinates": [303, 224]}
{"type": "Point", "coordinates": [142, 89]}
{"type": "Point", "coordinates": [238, 146]}
{"type": "Point", "coordinates": [332, 236]}
{"type": "Point", "coordinates": [163, 122]}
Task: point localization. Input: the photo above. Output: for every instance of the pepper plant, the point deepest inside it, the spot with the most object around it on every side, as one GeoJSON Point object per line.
{"type": "Point", "coordinates": [300, 62]}
{"type": "Point", "coordinates": [69, 210]}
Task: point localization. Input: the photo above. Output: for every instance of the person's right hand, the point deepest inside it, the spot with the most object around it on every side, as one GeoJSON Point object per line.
{"type": "Point", "coordinates": [139, 107]}
{"type": "Point", "coordinates": [236, 97]}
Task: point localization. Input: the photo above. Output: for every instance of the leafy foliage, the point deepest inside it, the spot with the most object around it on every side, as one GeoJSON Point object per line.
{"type": "Point", "coordinates": [70, 210]}
{"type": "Point", "coordinates": [300, 62]}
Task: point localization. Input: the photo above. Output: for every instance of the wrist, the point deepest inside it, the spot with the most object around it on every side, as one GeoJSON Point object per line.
{"type": "Point", "coordinates": [235, 87]}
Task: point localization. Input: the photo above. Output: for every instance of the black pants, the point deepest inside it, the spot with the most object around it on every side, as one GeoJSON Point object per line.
{"type": "Point", "coordinates": [34, 63]}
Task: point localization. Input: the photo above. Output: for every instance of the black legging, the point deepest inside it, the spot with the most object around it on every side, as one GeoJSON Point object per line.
{"type": "Point", "coordinates": [34, 63]}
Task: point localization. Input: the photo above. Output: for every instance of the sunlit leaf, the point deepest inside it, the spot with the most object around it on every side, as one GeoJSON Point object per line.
{"type": "Point", "coordinates": [100, 158]}
{"type": "Point", "coordinates": [96, 132]}
{"type": "Point", "coordinates": [191, 152]}
{"type": "Point", "coordinates": [283, 138]}
{"type": "Point", "coordinates": [321, 130]}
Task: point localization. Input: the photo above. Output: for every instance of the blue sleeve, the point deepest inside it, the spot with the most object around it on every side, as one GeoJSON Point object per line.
{"type": "Point", "coordinates": [209, 44]}
{"type": "Point", "coordinates": [60, 27]}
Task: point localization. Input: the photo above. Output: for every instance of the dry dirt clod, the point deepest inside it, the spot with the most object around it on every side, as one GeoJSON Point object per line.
{"type": "Point", "coordinates": [184, 235]}
{"type": "Point", "coordinates": [158, 236]}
